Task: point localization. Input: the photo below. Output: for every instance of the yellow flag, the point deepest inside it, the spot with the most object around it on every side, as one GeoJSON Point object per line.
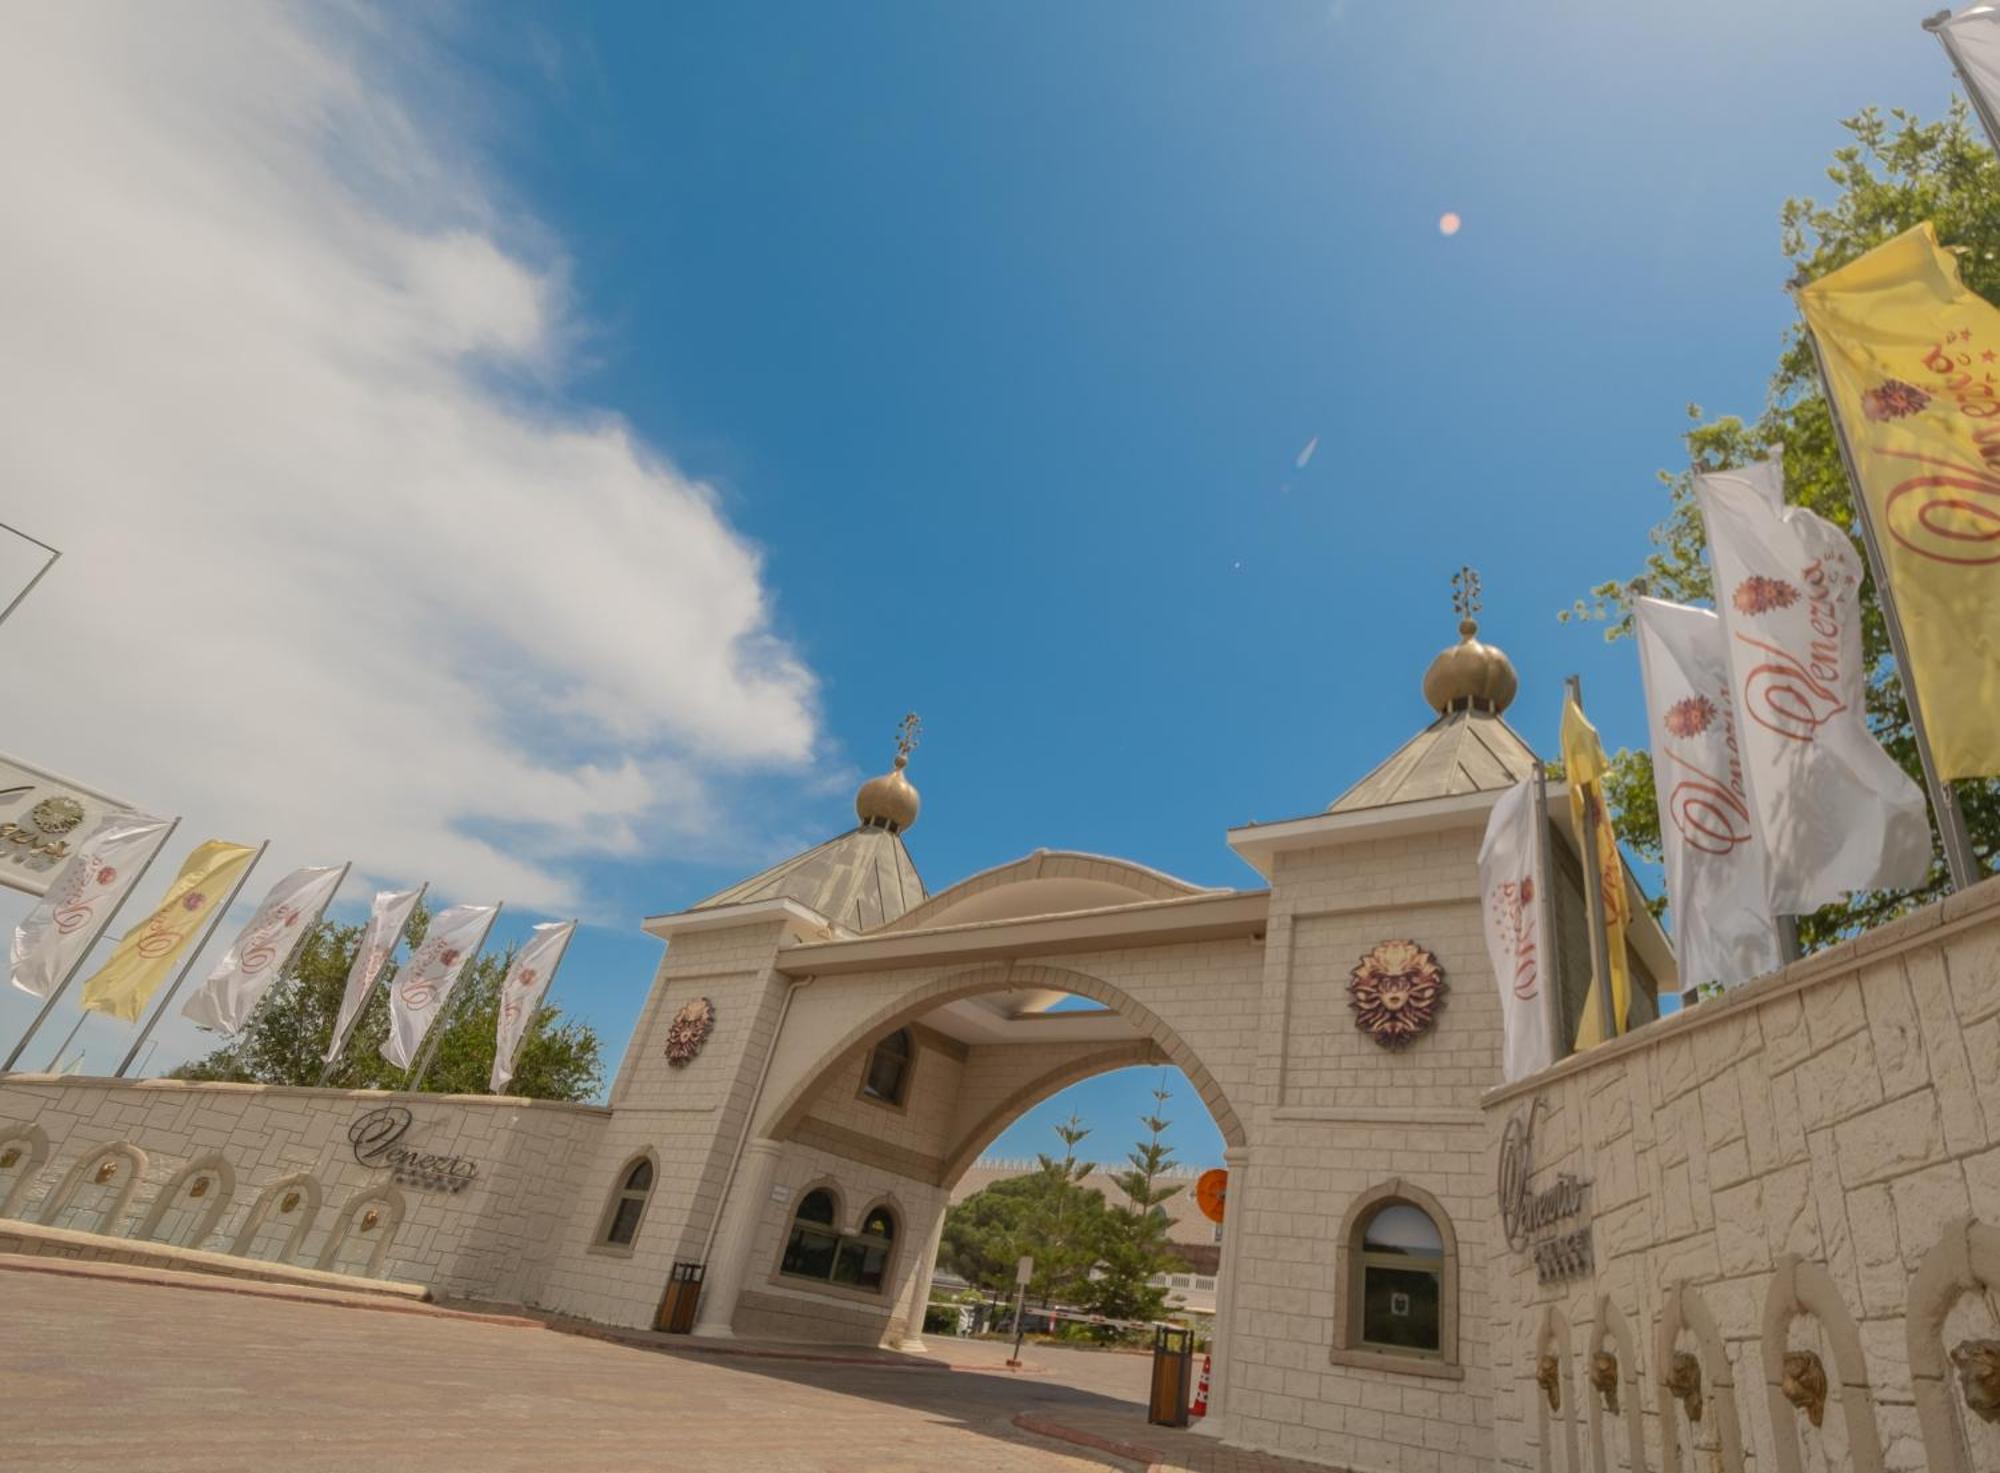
{"type": "Point", "coordinates": [149, 950]}
{"type": "Point", "coordinates": [1584, 766]}
{"type": "Point", "coordinates": [1913, 361]}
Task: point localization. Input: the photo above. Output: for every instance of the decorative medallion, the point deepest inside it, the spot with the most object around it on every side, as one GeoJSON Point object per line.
{"type": "Point", "coordinates": [1760, 595]}
{"type": "Point", "coordinates": [1604, 1379]}
{"type": "Point", "coordinates": [1978, 1363]}
{"type": "Point", "coordinates": [369, 1219]}
{"type": "Point", "coordinates": [1396, 992]}
{"type": "Point", "coordinates": [105, 1172]}
{"type": "Point", "coordinates": [8, 1157]}
{"type": "Point", "coordinates": [689, 1031]}
{"type": "Point", "coordinates": [1548, 1376]}
{"type": "Point", "coordinates": [1804, 1384]}
{"type": "Point", "coordinates": [200, 1187]}
{"type": "Point", "coordinates": [1690, 717]}
{"type": "Point", "coordinates": [1684, 1384]}
{"type": "Point", "coordinates": [1893, 399]}
{"type": "Point", "coordinates": [57, 815]}
{"type": "Point", "coordinates": [289, 1203]}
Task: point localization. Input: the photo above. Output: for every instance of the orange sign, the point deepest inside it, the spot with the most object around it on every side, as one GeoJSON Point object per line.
{"type": "Point", "coordinates": [1211, 1191]}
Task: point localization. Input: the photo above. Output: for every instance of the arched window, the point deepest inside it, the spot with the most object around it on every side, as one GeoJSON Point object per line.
{"type": "Point", "coordinates": [1397, 1278]}
{"type": "Point", "coordinates": [887, 1077]}
{"type": "Point", "coordinates": [620, 1228]}
{"type": "Point", "coordinates": [816, 1249]}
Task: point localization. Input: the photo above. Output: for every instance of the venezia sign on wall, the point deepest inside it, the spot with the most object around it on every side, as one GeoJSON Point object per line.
{"type": "Point", "coordinates": [377, 1141]}
{"type": "Point", "coordinates": [1550, 1223]}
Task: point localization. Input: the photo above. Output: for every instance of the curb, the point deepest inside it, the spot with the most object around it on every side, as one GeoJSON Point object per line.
{"type": "Point", "coordinates": [252, 1288]}
{"type": "Point", "coordinates": [1148, 1458]}
{"type": "Point", "coordinates": [688, 1345]}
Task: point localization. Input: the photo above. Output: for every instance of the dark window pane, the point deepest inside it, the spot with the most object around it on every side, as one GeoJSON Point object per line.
{"type": "Point", "coordinates": [1399, 1308]}
{"type": "Point", "coordinates": [625, 1221]}
{"type": "Point", "coordinates": [809, 1253]}
{"type": "Point", "coordinates": [886, 1069]}
{"type": "Point", "coordinates": [1401, 1228]}
{"type": "Point", "coordinates": [640, 1177]}
{"type": "Point", "coordinates": [879, 1224]}
{"type": "Point", "coordinates": [815, 1207]}
{"type": "Point", "coordinates": [860, 1264]}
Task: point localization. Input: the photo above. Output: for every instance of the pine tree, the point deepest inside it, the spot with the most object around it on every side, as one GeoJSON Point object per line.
{"type": "Point", "coordinates": [1134, 1250]}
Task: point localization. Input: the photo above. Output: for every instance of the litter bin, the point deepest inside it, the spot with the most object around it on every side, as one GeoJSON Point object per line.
{"type": "Point", "coordinates": [1173, 1362]}
{"type": "Point", "coordinates": [683, 1294]}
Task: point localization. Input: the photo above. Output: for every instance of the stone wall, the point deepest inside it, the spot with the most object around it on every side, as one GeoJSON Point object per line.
{"type": "Point", "coordinates": [255, 1148]}
{"type": "Point", "coordinates": [1809, 1166]}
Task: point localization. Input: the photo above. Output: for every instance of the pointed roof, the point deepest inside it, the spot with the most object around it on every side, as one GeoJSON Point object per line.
{"type": "Point", "coordinates": [1463, 751]}
{"type": "Point", "coordinates": [860, 880]}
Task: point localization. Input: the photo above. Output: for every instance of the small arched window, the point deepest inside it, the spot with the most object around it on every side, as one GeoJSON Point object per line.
{"type": "Point", "coordinates": [887, 1077]}
{"type": "Point", "coordinates": [1399, 1288]}
{"type": "Point", "coordinates": [816, 1249]}
{"type": "Point", "coordinates": [627, 1206]}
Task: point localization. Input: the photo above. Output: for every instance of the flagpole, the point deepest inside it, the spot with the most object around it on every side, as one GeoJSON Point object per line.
{"type": "Point", "coordinates": [522, 1042]}
{"type": "Point", "coordinates": [193, 956]}
{"type": "Point", "coordinates": [1960, 861]}
{"type": "Point", "coordinates": [340, 1043]}
{"type": "Point", "coordinates": [55, 554]}
{"type": "Point", "coordinates": [438, 1023]}
{"type": "Point", "coordinates": [84, 955]}
{"type": "Point", "coordinates": [1560, 1036]}
{"type": "Point", "coordinates": [1593, 888]}
{"type": "Point", "coordinates": [63, 1047]}
{"type": "Point", "coordinates": [1939, 25]}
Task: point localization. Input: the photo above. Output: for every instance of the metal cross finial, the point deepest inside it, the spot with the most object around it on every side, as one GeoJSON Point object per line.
{"type": "Point", "coordinates": [1465, 593]}
{"type": "Point", "coordinates": [908, 733]}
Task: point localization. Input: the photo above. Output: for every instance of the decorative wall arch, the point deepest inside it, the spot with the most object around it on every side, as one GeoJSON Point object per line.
{"type": "Point", "coordinates": [1003, 977]}
{"type": "Point", "coordinates": [1553, 1340]}
{"type": "Point", "coordinates": [1964, 1260]}
{"type": "Point", "coordinates": [129, 1167]}
{"type": "Point", "coordinates": [1803, 1288]}
{"type": "Point", "coordinates": [270, 1204]}
{"type": "Point", "coordinates": [975, 1141]}
{"type": "Point", "coordinates": [207, 1215]}
{"type": "Point", "coordinates": [32, 1142]}
{"type": "Point", "coordinates": [1685, 1309]}
{"type": "Point", "coordinates": [1347, 1346]}
{"type": "Point", "coordinates": [352, 1222]}
{"type": "Point", "coordinates": [1611, 1325]}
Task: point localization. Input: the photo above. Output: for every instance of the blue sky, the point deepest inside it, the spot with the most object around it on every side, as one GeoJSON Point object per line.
{"type": "Point", "coordinates": [996, 334]}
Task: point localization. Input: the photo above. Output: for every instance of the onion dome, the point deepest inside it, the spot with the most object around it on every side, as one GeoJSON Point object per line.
{"type": "Point", "coordinates": [891, 801]}
{"type": "Point", "coordinates": [1470, 676]}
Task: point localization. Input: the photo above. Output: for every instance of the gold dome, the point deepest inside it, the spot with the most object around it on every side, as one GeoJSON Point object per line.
{"type": "Point", "coordinates": [1470, 676]}
{"type": "Point", "coordinates": [891, 801]}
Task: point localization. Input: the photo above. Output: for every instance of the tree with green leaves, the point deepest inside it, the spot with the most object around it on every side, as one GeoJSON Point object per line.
{"type": "Point", "coordinates": [286, 1039]}
{"type": "Point", "coordinates": [1135, 1250]}
{"type": "Point", "coordinates": [1896, 173]}
{"type": "Point", "coordinates": [1047, 1214]}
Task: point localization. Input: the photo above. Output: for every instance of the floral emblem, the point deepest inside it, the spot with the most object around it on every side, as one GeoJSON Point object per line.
{"type": "Point", "coordinates": [193, 900]}
{"type": "Point", "coordinates": [1690, 717]}
{"type": "Point", "coordinates": [689, 1031]}
{"type": "Point", "coordinates": [1396, 992]}
{"type": "Point", "coordinates": [1893, 399]}
{"type": "Point", "coordinates": [1760, 595]}
{"type": "Point", "coordinates": [57, 815]}
{"type": "Point", "coordinates": [106, 875]}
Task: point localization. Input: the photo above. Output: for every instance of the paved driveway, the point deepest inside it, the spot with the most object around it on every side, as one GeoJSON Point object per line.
{"type": "Point", "coordinates": [120, 1377]}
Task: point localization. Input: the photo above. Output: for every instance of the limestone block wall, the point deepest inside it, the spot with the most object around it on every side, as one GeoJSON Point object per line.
{"type": "Point", "coordinates": [255, 1144]}
{"type": "Point", "coordinates": [1337, 1116]}
{"type": "Point", "coordinates": [1809, 1165]}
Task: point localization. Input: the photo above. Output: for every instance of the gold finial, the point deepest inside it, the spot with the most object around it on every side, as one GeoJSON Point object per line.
{"type": "Point", "coordinates": [891, 801]}
{"type": "Point", "coordinates": [1469, 676]}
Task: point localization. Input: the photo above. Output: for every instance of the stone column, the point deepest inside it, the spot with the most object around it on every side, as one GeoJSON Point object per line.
{"type": "Point", "coordinates": [917, 1298]}
{"type": "Point", "coordinates": [729, 1260]}
{"type": "Point", "coordinates": [1236, 1223]}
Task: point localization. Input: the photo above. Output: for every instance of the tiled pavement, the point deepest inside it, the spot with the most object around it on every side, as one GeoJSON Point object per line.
{"type": "Point", "coordinates": [115, 1373]}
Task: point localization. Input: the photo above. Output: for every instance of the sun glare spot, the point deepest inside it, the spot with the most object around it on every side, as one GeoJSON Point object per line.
{"type": "Point", "coordinates": [1448, 223]}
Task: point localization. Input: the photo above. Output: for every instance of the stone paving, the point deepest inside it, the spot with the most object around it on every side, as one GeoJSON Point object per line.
{"type": "Point", "coordinates": [116, 1373]}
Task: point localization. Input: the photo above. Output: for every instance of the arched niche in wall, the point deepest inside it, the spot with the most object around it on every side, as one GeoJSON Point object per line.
{"type": "Point", "coordinates": [361, 1235]}
{"type": "Point", "coordinates": [1697, 1381]}
{"type": "Point", "coordinates": [1797, 1393]}
{"type": "Point", "coordinates": [1953, 1380]}
{"type": "Point", "coordinates": [1611, 1335]}
{"type": "Point", "coordinates": [185, 1211]}
{"type": "Point", "coordinates": [23, 1149]}
{"type": "Point", "coordinates": [276, 1227]}
{"type": "Point", "coordinates": [1554, 1391]}
{"type": "Point", "coordinates": [93, 1194]}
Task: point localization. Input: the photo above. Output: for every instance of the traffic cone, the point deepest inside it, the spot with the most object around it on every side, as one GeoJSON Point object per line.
{"type": "Point", "coordinates": [1200, 1407]}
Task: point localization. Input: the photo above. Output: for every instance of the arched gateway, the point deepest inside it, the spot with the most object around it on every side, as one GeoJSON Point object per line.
{"type": "Point", "coordinates": [826, 1048]}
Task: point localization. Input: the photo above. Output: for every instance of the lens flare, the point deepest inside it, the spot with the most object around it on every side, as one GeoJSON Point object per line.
{"type": "Point", "coordinates": [1448, 223]}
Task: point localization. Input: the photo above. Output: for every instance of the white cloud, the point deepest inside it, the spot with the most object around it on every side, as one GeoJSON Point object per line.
{"type": "Point", "coordinates": [270, 354]}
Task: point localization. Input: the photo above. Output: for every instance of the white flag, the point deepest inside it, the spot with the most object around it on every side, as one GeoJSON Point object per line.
{"type": "Point", "coordinates": [386, 919]}
{"type": "Point", "coordinates": [233, 990]}
{"type": "Point", "coordinates": [1834, 810]}
{"type": "Point", "coordinates": [1973, 39]}
{"type": "Point", "coordinates": [521, 993]}
{"type": "Point", "coordinates": [85, 891]}
{"type": "Point", "coordinates": [1510, 887]}
{"type": "Point", "coordinates": [424, 985]}
{"type": "Point", "coordinates": [1723, 928]}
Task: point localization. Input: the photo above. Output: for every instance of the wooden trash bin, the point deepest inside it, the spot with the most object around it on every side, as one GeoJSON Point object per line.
{"type": "Point", "coordinates": [683, 1295]}
{"type": "Point", "coordinates": [1173, 1363]}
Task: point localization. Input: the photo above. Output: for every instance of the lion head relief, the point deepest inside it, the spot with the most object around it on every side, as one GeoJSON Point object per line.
{"type": "Point", "coordinates": [1396, 992]}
